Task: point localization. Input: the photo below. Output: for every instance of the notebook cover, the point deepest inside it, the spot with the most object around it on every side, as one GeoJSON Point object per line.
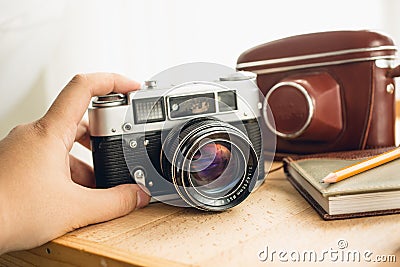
{"type": "Point", "coordinates": [361, 154]}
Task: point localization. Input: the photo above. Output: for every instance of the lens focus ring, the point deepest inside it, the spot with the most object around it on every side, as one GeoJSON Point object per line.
{"type": "Point", "coordinates": [184, 144]}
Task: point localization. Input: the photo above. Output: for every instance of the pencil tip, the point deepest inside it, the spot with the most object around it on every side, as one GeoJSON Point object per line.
{"type": "Point", "coordinates": [330, 178]}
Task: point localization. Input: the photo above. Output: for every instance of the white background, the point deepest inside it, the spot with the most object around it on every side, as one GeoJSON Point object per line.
{"type": "Point", "coordinates": [43, 43]}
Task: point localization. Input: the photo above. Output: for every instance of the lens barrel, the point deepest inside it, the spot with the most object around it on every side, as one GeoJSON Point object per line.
{"type": "Point", "coordinates": [212, 164]}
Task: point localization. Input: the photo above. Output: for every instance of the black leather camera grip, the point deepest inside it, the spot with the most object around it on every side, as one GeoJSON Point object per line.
{"type": "Point", "coordinates": [109, 163]}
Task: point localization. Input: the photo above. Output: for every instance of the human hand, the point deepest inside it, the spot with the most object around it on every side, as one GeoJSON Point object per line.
{"type": "Point", "coordinates": [44, 191]}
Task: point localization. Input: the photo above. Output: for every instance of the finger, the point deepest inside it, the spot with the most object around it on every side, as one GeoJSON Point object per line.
{"type": "Point", "coordinates": [81, 173]}
{"type": "Point", "coordinates": [106, 204]}
{"type": "Point", "coordinates": [82, 134]}
{"type": "Point", "coordinates": [73, 100]}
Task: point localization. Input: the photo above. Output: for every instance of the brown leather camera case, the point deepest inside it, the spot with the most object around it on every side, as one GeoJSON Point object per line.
{"type": "Point", "coordinates": [327, 91]}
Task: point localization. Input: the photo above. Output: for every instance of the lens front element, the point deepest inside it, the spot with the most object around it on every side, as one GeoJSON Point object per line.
{"type": "Point", "coordinates": [211, 163]}
{"type": "Point", "coordinates": [216, 168]}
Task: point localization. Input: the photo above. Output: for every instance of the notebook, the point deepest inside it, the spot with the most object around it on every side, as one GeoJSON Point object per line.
{"type": "Point", "coordinates": [374, 192]}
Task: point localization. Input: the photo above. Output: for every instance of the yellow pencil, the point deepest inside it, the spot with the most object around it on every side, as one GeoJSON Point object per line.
{"type": "Point", "coordinates": [362, 166]}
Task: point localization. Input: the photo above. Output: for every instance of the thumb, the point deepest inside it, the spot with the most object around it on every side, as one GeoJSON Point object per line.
{"type": "Point", "coordinates": [99, 205]}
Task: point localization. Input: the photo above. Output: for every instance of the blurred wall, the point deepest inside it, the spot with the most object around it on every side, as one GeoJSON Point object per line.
{"type": "Point", "coordinates": [45, 42]}
{"type": "Point", "coordinates": [29, 35]}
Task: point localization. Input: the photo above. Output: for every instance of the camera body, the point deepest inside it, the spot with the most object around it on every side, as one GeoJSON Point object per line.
{"type": "Point", "coordinates": [196, 144]}
{"type": "Point", "coordinates": [328, 91]}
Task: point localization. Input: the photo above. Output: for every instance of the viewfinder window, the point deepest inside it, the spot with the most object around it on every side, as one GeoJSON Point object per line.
{"type": "Point", "coordinates": [227, 101]}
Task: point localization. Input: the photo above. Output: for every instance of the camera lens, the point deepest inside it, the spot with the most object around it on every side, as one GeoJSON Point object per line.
{"type": "Point", "coordinates": [211, 163]}
{"type": "Point", "coordinates": [216, 168]}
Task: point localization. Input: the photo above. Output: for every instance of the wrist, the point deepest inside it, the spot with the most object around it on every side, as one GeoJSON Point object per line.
{"type": "Point", "coordinates": [3, 234]}
{"type": "Point", "coordinates": [5, 229]}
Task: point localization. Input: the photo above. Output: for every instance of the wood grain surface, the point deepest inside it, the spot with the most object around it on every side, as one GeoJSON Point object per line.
{"type": "Point", "coordinates": [275, 216]}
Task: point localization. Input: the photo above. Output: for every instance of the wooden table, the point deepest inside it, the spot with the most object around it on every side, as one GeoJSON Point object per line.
{"type": "Point", "coordinates": [275, 216]}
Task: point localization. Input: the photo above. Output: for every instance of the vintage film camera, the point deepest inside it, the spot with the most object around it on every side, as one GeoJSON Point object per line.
{"type": "Point", "coordinates": [197, 144]}
{"type": "Point", "coordinates": [328, 91]}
